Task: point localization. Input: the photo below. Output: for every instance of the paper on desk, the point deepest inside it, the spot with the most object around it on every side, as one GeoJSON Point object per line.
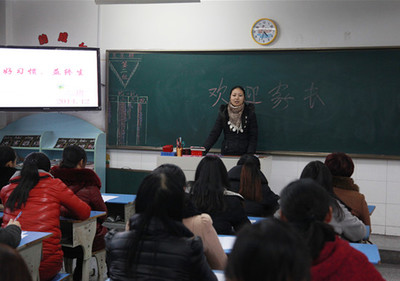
{"type": "Point", "coordinates": [24, 234]}
{"type": "Point", "coordinates": [227, 241]}
{"type": "Point", "coordinates": [108, 197]}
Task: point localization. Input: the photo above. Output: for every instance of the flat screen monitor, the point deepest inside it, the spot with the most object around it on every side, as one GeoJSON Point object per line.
{"type": "Point", "coordinates": [49, 79]}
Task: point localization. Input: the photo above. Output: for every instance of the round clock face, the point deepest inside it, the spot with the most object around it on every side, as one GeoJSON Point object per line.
{"type": "Point", "coordinates": [264, 31]}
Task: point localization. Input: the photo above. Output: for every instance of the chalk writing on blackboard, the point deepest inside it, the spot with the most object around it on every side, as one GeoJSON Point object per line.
{"type": "Point", "coordinates": [278, 97]}
{"type": "Point", "coordinates": [218, 92]}
{"type": "Point", "coordinates": [313, 96]}
{"type": "Point", "coordinates": [124, 69]}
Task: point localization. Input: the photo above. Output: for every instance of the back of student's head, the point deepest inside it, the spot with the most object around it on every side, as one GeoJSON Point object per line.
{"type": "Point", "coordinates": [306, 205]}
{"type": "Point", "coordinates": [72, 155]}
{"type": "Point", "coordinates": [160, 195]}
{"type": "Point", "coordinates": [319, 172]}
{"type": "Point", "coordinates": [7, 154]}
{"type": "Point", "coordinates": [250, 181]}
{"type": "Point", "coordinates": [211, 179]}
{"type": "Point", "coordinates": [268, 251]}
{"type": "Point", "coordinates": [173, 170]}
{"type": "Point", "coordinates": [340, 164]}
{"type": "Point", "coordinates": [34, 162]}
{"type": "Point", "coordinates": [12, 265]}
{"type": "Point", "coordinates": [249, 158]}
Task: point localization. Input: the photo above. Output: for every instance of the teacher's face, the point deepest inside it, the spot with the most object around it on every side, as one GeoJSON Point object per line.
{"type": "Point", "coordinates": [237, 97]}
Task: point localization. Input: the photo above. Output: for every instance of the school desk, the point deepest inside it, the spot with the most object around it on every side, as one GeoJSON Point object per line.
{"type": "Point", "coordinates": [371, 209]}
{"type": "Point", "coordinates": [80, 233]}
{"type": "Point", "coordinates": [189, 164]}
{"type": "Point", "coordinates": [121, 205]}
{"type": "Point", "coordinates": [370, 250]}
{"type": "Point", "coordinates": [30, 248]}
{"type": "Point", "coordinates": [255, 219]}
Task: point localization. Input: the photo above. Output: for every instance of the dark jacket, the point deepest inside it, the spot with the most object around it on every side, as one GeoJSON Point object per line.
{"type": "Point", "coordinates": [269, 203]}
{"type": "Point", "coordinates": [86, 185]}
{"type": "Point", "coordinates": [10, 235]}
{"type": "Point", "coordinates": [5, 174]}
{"type": "Point", "coordinates": [163, 256]}
{"type": "Point", "coordinates": [233, 217]}
{"type": "Point", "coordinates": [235, 143]}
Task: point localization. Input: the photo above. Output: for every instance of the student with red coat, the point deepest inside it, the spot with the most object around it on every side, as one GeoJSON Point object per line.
{"type": "Point", "coordinates": [39, 196]}
{"type": "Point", "coordinates": [306, 205]}
{"type": "Point", "coordinates": [86, 185]}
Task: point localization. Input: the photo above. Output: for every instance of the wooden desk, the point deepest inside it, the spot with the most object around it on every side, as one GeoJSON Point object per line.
{"type": "Point", "coordinates": [30, 248]}
{"type": "Point", "coordinates": [80, 233]}
{"type": "Point", "coordinates": [119, 205]}
{"type": "Point", "coordinates": [370, 250]}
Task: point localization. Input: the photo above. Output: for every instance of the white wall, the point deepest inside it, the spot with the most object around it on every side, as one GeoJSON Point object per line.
{"type": "Point", "coordinates": [221, 25]}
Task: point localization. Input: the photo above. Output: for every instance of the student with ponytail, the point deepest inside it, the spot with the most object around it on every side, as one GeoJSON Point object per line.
{"type": "Point", "coordinates": [39, 196]}
{"type": "Point", "coordinates": [306, 205]}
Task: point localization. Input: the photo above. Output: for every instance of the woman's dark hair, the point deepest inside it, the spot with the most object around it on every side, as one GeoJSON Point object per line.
{"type": "Point", "coordinates": [305, 204]}
{"type": "Point", "coordinates": [12, 265]}
{"type": "Point", "coordinates": [249, 158]}
{"type": "Point", "coordinates": [250, 182]}
{"type": "Point", "coordinates": [34, 162]}
{"type": "Point", "coordinates": [72, 155]}
{"type": "Point", "coordinates": [173, 170]}
{"type": "Point", "coordinates": [7, 154]}
{"type": "Point", "coordinates": [211, 179]}
{"type": "Point", "coordinates": [160, 196]}
{"type": "Point", "coordinates": [268, 251]}
{"type": "Point", "coordinates": [238, 87]}
{"type": "Point", "coordinates": [340, 164]}
{"type": "Point", "coordinates": [319, 172]}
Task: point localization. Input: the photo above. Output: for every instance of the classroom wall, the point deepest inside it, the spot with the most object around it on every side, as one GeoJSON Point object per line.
{"type": "Point", "coordinates": [220, 25]}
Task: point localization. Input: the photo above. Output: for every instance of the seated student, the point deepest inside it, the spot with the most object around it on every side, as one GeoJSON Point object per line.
{"type": "Point", "coordinates": [268, 251]}
{"type": "Point", "coordinates": [39, 196]}
{"type": "Point", "coordinates": [8, 161]}
{"type": "Point", "coordinates": [200, 224]}
{"type": "Point", "coordinates": [157, 246]}
{"type": "Point", "coordinates": [86, 185]}
{"type": "Point", "coordinates": [342, 167]}
{"type": "Point", "coordinates": [11, 234]}
{"type": "Point", "coordinates": [306, 205]}
{"type": "Point", "coordinates": [344, 223]}
{"type": "Point", "coordinates": [247, 179]}
{"type": "Point", "coordinates": [12, 265]}
{"type": "Point", "coordinates": [210, 195]}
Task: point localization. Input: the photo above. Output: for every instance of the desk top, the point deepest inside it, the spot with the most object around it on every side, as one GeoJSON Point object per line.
{"type": "Point", "coordinates": [371, 209]}
{"type": "Point", "coordinates": [93, 215]}
{"type": "Point", "coordinates": [31, 237]}
{"type": "Point", "coordinates": [118, 198]}
{"type": "Point", "coordinates": [370, 250]}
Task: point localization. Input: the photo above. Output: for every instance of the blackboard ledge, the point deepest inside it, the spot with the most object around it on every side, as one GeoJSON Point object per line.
{"type": "Point", "coordinates": [324, 154]}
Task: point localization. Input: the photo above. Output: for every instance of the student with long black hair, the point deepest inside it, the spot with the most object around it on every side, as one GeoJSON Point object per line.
{"type": "Point", "coordinates": [345, 224]}
{"type": "Point", "coordinates": [157, 245]}
{"type": "Point", "coordinates": [37, 197]}
{"type": "Point", "coordinates": [8, 161]}
{"type": "Point", "coordinates": [210, 195]}
{"type": "Point", "coordinates": [306, 206]}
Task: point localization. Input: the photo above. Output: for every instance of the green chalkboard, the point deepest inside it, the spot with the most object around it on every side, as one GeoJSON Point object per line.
{"type": "Point", "coordinates": [306, 100]}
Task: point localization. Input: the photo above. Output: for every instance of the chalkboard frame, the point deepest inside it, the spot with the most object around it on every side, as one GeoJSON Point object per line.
{"type": "Point", "coordinates": [263, 151]}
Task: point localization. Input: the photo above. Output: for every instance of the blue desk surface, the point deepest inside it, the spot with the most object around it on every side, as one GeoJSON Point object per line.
{"type": "Point", "coordinates": [370, 250]}
{"type": "Point", "coordinates": [255, 219]}
{"type": "Point", "coordinates": [93, 214]}
{"type": "Point", "coordinates": [32, 236]}
{"type": "Point", "coordinates": [119, 198]}
{"type": "Point", "coordinates": [371, 209]}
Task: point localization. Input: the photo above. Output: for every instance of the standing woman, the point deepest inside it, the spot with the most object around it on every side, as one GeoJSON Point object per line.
{"type": "Point", "coordinates": [34, 192]}
{"type": "Point", "coordinates": [86, 185]}
{"type": "Point", "coordinates": [238, 122]}
{"type": "Point", "coordinates": [210, 195]}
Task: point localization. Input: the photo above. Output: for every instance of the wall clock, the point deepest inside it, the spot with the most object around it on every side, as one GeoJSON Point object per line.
{"type": "Point", "coordinates": [264, 31]}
